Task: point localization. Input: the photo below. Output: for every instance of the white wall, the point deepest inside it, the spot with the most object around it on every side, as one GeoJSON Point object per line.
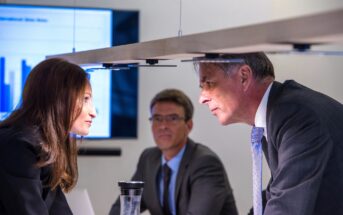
{"type": "Point", "coordinates": [160, 19]}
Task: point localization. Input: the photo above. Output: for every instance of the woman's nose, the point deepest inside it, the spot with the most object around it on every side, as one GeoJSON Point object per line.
{"type": "Point", "coordinates": [93, 112]}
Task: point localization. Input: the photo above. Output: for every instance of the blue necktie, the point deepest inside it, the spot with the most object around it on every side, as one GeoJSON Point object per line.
{"type": "Point", "coordinates": [256, 148]}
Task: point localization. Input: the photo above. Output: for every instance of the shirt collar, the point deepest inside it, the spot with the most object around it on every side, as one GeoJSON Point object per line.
{"type": "Point", "coordinates": [261, 113]}
{"type": "Point", "coordinates": [175, 161]}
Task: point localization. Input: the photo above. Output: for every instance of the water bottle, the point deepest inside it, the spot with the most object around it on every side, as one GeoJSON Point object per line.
{"type": "Point", "coordinates": [130, 197]}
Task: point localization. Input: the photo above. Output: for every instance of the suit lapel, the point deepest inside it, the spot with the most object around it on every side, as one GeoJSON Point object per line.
{"type": "Point", "coordinates": [273, 95]}
{"type": "Point", "coordinates": [155, 163]}
{"type": "Point", "coordinates": [269, 147]}
{"type": "Point", "coordinates": [265, 148]}
{"type": "Point", "coordinates": [190, 146]}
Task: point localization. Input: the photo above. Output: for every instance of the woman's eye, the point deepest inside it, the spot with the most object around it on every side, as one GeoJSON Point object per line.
{"type": "Point", "coordinates": [86, 99]}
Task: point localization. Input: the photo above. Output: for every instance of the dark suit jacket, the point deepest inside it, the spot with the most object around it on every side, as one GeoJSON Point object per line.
{"type": "Point", "coordinates": [23, 187]}
{"type": "Point", "coordinates": [304, 152]}
{"type": "Point", "coordinates": [202, 186]}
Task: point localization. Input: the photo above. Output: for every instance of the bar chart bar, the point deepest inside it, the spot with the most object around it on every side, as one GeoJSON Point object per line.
{"type": "Point", "coordinates": [25, 70]}
{"type": "Point", "coordinates": [5, 90]}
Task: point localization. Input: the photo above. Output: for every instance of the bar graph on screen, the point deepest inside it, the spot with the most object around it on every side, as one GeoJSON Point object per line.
{"type": "Point", "coordinates": [9, 97]}
{"type": "Point", "coordinates": [29, 33]}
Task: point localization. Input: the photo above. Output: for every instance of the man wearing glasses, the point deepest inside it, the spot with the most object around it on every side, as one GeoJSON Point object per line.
{"type": "Point", "coordinates": [181, 176]}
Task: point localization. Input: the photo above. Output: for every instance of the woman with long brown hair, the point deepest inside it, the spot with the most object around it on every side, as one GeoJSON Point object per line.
{"type": "Point", "coordinates": [38, 151]}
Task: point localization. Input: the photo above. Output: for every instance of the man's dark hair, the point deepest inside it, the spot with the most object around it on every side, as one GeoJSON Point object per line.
{"type": "Point", "coordinates": [177, 97]}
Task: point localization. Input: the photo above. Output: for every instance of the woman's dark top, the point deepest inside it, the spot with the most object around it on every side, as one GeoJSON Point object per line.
{"type": "Point", "coordinates": [24, 187]}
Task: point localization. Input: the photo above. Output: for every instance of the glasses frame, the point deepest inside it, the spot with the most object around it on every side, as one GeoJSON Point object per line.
{"type": "Point", "coordinates": [168, 119]}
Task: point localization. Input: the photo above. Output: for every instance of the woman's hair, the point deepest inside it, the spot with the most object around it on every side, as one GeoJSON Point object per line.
{"type": "Point", "coordinates": [52, 99]}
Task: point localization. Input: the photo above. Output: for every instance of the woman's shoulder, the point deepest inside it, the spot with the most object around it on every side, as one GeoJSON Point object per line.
{"type": "Point", "coordinates": [19, 137]}
{"type": "Point", "coordinates": [20, 132]}
{"type": "Point", "coordinates": [19, 151]}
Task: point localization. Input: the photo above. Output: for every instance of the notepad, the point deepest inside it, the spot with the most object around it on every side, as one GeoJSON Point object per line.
{"type": "Point", "coordinates": [79, 202]}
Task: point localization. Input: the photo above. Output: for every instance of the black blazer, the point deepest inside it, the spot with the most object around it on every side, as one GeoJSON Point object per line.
{"type": "Point", "coordinates": [202, 186]}
{"type": "Point", "coordinates": [304, 151]}
{"type": "Point", "coordinates": [23, 187]}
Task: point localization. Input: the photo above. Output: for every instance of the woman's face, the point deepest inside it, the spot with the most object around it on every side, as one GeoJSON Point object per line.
{"type": "Point", "coordinates": [84, 121]}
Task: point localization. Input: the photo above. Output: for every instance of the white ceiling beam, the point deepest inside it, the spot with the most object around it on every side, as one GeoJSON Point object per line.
{"type": "Point", "coordinates": [280, 35]}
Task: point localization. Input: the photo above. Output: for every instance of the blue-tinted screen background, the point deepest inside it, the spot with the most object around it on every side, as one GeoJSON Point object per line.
{"type": "Point", "coordinates": [29, 33]}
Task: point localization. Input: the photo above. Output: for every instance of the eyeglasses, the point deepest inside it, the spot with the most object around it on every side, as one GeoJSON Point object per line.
{"type": "Point", "coordinates": [170, 119]}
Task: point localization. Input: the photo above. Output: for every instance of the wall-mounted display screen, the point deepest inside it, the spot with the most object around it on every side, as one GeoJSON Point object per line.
{"type": "Point", "coordinates": [30, 33]}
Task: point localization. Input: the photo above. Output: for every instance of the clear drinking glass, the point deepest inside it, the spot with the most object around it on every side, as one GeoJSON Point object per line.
{"type": "Point", "coordinates": [130, 197]}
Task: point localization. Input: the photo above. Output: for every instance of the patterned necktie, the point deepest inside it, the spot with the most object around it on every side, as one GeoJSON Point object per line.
{"type": "Point", "coordinates": [256, 148]}
{"type": "Point", "coordinates": [166, 181]}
